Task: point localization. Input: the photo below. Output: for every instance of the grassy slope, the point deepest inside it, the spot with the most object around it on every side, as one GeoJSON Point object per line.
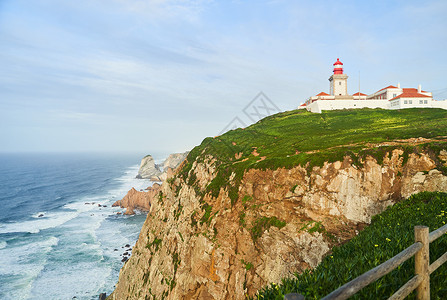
{"type": "Point", "coordinates": [299, 138]}
{"type": "Point", "coordinates": [389, 233]}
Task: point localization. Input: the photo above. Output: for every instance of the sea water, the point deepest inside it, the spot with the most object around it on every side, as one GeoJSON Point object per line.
{"type": "Point", "coordinates": [57, 240]}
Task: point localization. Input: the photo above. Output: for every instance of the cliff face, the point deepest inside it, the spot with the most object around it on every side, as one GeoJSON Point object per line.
{"type": "Point", "coordinates": [196, 246]}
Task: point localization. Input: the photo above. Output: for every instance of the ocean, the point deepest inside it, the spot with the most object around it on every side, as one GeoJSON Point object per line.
{"type": "Point", "coordinates": [56, 242]}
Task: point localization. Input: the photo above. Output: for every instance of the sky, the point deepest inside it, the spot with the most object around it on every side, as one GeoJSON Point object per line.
{"type": "Point", "coordinates": [161, 75]}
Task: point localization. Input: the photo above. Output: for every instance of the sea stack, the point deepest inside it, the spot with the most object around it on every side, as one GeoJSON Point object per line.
{"type": "Point", "coordinates": [148, 168]}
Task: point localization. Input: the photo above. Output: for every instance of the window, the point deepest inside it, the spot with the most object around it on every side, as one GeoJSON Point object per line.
{"type": "Point", "coordinates": [425, 102]}
{"type": "Point", "coordinates": [339, 83]}
{"type": "Point", "coordinates": [421, 101]}
{"type": "Point", "coordinates": [405, 101]}
{"type": "Point", "coordinates": [394, 95]}
{"type": "Point", "coordinates": [410, 101]}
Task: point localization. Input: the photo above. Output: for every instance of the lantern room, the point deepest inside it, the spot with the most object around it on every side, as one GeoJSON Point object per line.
{"type": "Point", "coordinates": [338, 67]}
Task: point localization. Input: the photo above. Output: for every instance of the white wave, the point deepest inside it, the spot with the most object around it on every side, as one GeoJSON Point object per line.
{"type": "Point", "coordinates": [50, 220]}
{"type": "Point", "coordinates": [39, 214]}
{"type": "Point", "coordinates": [87, 204]}
{"type": "Point", "coordinates": [70, 283]}
{"type": "Point", "coordinates": [86, 229]}
{"type": "Point", "coordinates": [24, 261]}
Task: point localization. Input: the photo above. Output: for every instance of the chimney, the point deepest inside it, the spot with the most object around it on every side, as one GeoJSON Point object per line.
{"type": "Point", "coordinates": [419, 88]}
{"type": "Point", "coordinates": [398, 85]}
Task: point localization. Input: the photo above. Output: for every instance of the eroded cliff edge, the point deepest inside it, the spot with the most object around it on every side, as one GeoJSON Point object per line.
{"type": "Point", "coordinates": [220, 231]}
{"type": "Point", "coordinates": [284, 221]}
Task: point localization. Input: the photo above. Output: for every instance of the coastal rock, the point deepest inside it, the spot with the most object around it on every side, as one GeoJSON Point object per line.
{"type": "Point", "coordinates": [138, 200]}
{"type": "Point", "coordinates": [174, 160]}
{"type": "Point", "coordinates": [283, 221]}
{"type": "Point", "coordinates": [148, 168]}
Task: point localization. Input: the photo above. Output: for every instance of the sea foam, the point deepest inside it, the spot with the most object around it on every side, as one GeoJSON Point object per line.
{"type": "Point", "coordinates": [73, 248]}
{"type": "Point", "coordinates": [50, 220]}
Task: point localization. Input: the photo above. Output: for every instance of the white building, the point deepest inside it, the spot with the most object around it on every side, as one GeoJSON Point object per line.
{"type": "Point", "coordinates": [390, 97]}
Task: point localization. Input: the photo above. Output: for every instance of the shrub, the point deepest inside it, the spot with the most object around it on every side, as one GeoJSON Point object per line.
{"type": "Point", "coordinates": [389, 233]}
{"type": "Point", "coordinates": [264, 223]}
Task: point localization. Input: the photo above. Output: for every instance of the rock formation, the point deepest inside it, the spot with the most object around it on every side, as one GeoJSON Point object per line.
{"type": "Point", "coordinates": [138, 200]}
{"type": "Point", "coordinates": [148, 168]}
{"type": "Point", "coordinates": [196, 246]}
{"type": "Point", "coordinates": [174, 160]}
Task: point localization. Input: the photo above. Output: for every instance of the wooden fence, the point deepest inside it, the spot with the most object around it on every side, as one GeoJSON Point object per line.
{"type": "Point", "coordinates": [421, 280]}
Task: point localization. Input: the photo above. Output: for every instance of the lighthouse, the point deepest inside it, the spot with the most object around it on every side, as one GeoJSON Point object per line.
{"type": "Point", "coordinates": [338, 81]}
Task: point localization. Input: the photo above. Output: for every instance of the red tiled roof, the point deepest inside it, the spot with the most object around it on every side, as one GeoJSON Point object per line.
{"type": "Point", "coordinates": [388, 87]}
{"type": "Point", "coordinates": [304, 104]}
{"type": "Point", "coordinates": [410, 93]}
{"type": "Point", "coordinates": [358, 93]}
{"type": "Point", "coordinates": [323, 94]}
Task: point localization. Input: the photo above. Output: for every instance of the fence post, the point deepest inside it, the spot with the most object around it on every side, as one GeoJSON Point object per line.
{"type": "Point", "coordinates": [422, 261]}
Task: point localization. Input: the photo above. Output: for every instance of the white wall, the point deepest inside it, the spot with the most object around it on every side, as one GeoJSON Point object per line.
{"type": "Point", "coordinates": [415, 102]}
{"type": "Point", "coordinates": [321, 105]}
{"type": "Point", "coordinates": [439, 104]}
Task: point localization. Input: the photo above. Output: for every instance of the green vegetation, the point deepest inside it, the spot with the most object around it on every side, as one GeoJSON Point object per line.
{"type": "Point", "coordinates": [206, 218]}
{"type": "Point", "coordinates": [160, 197]}
{"type": "Point", "coordinates": [313, 226]}
{"type": "Point", "coordinates": [170, 180]}
{"type": "Point", "coordinates": [242, 219]}
{"type": "Point", "coordinates": [248, 265]}
{"type": "Point", "coordinates": [246, 199]}
{"type": "Point", "coordinates": [178, 211]}
{"type": "Point", "coordinates": [292, 189]}
{"type": "Point", "coordinates": [155, 243]}
{"type": "Point", "coordinates": [176, 262]}
{"type": "Point", "coordinates": [301, 138]}
{"type": "Point", "coordinates": [264, 223]}
{"type": "Point", "coordinates": [180, 235]}
{"type": "Point", "coordinates": [389, 233]}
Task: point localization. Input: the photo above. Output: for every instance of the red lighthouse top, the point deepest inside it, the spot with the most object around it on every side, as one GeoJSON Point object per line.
{"type": "Point", "coordinates": [338, 67]}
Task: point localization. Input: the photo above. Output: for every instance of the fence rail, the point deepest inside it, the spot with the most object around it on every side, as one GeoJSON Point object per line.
{"type": "Point", "coordinates": [420, 282]}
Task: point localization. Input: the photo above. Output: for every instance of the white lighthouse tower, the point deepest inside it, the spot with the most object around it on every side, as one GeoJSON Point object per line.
{"type": "Point", "coordinates": [338, 81]}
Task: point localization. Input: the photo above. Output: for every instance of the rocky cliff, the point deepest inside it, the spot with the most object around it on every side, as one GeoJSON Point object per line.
{"type": "Point", "coordinates": [284, 221]}
{"type": "Point", "coordinates": [140, 200]}
{"type": "Point", "coordinates": [234, 218]}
